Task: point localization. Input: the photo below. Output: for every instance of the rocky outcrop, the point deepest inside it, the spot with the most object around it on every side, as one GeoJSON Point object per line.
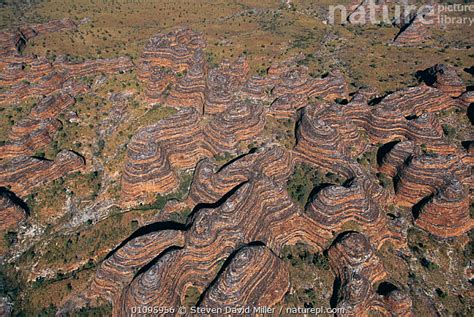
{"type": "Point", "coordinates": [223, 84]}
{"type": "Point", "coordinates": [37, 129]}
{"type": "Point", "coordinates": [358, 268]}
{"type": "Point", "coordinates": [93, 67]}
{"type": "Point", "coordinates": [178, 142]}
{"type": "Point", "coordinates": [213, 236]}
{"type": "Point", "coordinates": [447, 80]}
{"type": "Point", "coordinates": [291, 79]}
{"type": "Point", "coordinates": [320, 143]}
{"type": "Point", "coordinates": [467, 98]}
{"type": "Point", "coordinates": [164, 57]}
{"type": "Point", "coordinates": [190, 90]}
{"type": "Point", "coordinates": [11, 212]}
{"type": "Point", "coordinates": [255, 277]}
{"type": "Point", "coordinates": [415, 101]}
{"type": "Point", "coordinates": [16, 40]}
{"type": "Point", "coordinates": [59, 76]}
{"type": "Point", "coordinates": [240, 212]}
{"type": "Point", "coordinates": [446, 212]}
{"type": "Point", "coordinates": [287, 105]}
{"type": "Point", "coordinates": [423, 175]}
{"type": "Point", "coordinates": [418, 28]}
{"type": "Point", "coordinates": [358, 203]}
{"type": "Point", "coordinates": [396, 157]}
{"type": "Point", "coordinates": [118, 269]}
{"type": "Point", "coordinates": [22, 174]}
{"type": "Point", "coordinates": [148, 166]}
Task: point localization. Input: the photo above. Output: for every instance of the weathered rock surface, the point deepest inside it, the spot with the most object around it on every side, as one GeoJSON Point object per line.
{"type": "Point", "coordinates": [21, 174]}
{"type": "Point", "coordinates": [11, 212]}
{"type": "Point", "coordinates": [446, 212]}
{"type": "Point", "coordinates": [447, 80]}
{"type": "Point", "coordinates": [15, 41]}
{"type": "Point", "coordinates": [418, 27]}
{"type": "Point", "coordinates": [37, 129]}
{"type": "Point", "coordinates": [119, 269]}
{"type": "Point", "coordinates": [255, 277]}
{"type": "Point", "coordinates": [241, 215]}
{"type": "Point", "coordinates": [358, 268]}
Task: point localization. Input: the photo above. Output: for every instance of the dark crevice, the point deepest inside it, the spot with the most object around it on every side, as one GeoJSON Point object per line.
{"type": "Point", "coordinates": [315, 191]}
{"type": "Point", "coordinates": [396, 178]}
{"type": "Point", "coordinates": [416, 209]}
{"type": "Point", "coordinates": [405, 26]}
{"type": "Point", "coordinates": [226, 263]}
{"type": "Point", "coordinates": [252, 150]}
{"type": "Point", "coordinates": [171, 225]}
{"type": "Point", "coordinates": [341, 236]}
{"type": "Point", "coordinates": [466, 144]}
{"type": "Point", "coordinates": [213, 205]}
{"type": "Point", "coordinates": [78, 154]}
{"type": "Point", "coordinates": [469, 70]}
{"type": "Point", "coordinates": [15, 199]}
{"type": "Point", "coordinates": [470, 113]}
{"type": "Point", "coordinates": [150, 264]}
{"type": "Point", "coordinates": [427, 76]}
{"type": "Point", "coordinates": [40, 158]}
{"type": "Point", "coordinates": [336, 287]}
{"type": "Point", "coordinates": [348, 182]}
{"type": "Point", "coordinates": [153, 227]}
{"type": "Point", "coordinates": [384, 149]}
{"type": "Point", "coordinates": [385, 288]}
{"type": "Point", "coordinates": [375, 101]}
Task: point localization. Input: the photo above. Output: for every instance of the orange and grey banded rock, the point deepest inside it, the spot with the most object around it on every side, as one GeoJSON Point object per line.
{"type": "Point", "coordinates": [118, 270]}
{"type": "Point", "coordinates": [417, 100]}
{"type": "Point", "coordinates": [38, 77]}
{"type": "Point", "coordinates": [423, 175]}
{"type": "Point", "coordinates": [11, 213]}
{"type": "Point", "coordinates": [13, 71]}
{"type": "Point", "coordinates": [155, 151]}
{"type": "Point", "coordinates": [418, 29]}
{"type": "Point", "coordinates": [223, 83]}
{"type": "Point", "coordinates": [50, 83]}
{"type": "Point", "coordinates": [213, 236]}
{"type": "Point", "coordinates": [211, 182]}
{"type": "Point", "coordinates": [93, 67]}
{"type": "Point", "coordinates": [446, 213]}
{"type": "Point", "coordinates": [358, 268]}
{"type": "Point", "coordinates": [190, 90]}
{"type": "Point", "coordinates": [396, 157]}
{"type": "Point", "coordinates": [36, 130]}
{"type": "Point", "coordinates": [467, 97]}
{"type": "Point", "coordinates": [287, 105]}
{"type": "Point", "coordinates": [23, 173]}
{"type": "Point", "coordinates": [319, 142]}
{"type": "Point", "coordinates": [15, 41]}
{"type": "Point", "coordinates": [164, 57]}
{"type": "Point", "coordinates": [255, 277]}
{"type": "Point", "coordinates": [358, 203]}
{"type": "Point", "coordinates": [242, 122]}
{"type": "Point", "coordinates": [447, 80]}
{"type": "Point", "coordinates": [180, 141]}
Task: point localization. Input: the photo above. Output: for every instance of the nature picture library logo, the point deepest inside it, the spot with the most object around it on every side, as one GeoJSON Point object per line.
{"type": "Point", "coordinates": [377, 12]}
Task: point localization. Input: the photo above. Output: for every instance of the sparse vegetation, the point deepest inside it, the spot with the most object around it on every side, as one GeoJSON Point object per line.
{"type": "Point", "coordinates": [305, 178]}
